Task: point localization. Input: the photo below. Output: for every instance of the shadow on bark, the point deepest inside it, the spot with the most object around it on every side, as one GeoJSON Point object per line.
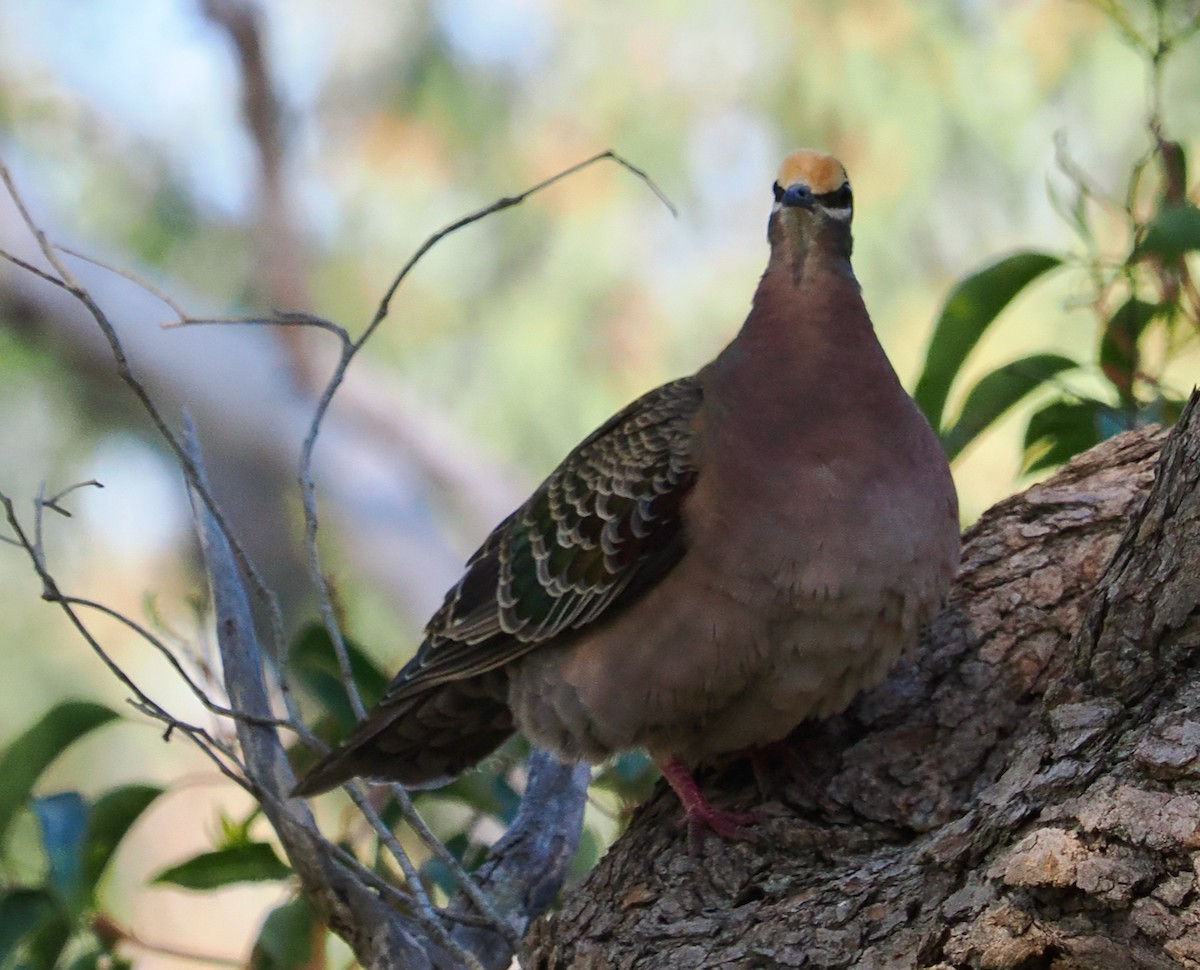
{"type": "Point", "coordinates": [1021, 793]}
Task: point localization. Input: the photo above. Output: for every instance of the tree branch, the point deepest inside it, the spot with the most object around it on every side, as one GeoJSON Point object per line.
{"type": "Point", "coordinates": [377, 933]}
{"type": "Point", "coordinates": [527, 866]}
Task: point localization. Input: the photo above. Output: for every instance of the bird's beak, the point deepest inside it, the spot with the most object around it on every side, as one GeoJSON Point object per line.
{"type": "Point", "coordinates": [798, 196]}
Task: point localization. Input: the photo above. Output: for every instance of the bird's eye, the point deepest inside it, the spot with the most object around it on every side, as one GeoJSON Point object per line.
{"type": "Point", "coordinates": [840, 198]}
{"type": "Point", "coordinates": [778, 190]}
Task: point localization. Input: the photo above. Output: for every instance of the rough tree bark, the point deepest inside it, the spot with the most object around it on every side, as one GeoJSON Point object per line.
{"type": "Point", "coordinates": [1024, 792]}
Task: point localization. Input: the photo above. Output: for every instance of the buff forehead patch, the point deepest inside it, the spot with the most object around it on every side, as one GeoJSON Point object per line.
{"type": "Point", "coordinates": [820, 172]}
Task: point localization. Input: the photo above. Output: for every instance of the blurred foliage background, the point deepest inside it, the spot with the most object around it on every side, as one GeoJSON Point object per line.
{"type": "Point", "coordinates": [123, 123]}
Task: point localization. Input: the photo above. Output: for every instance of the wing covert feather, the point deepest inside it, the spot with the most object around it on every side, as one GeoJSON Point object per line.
{"type": "Point", "coordinates": [601, 529]}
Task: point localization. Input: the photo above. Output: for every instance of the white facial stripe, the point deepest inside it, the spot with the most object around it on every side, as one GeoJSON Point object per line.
{"type": "Point", "coordinates": [841, 215]}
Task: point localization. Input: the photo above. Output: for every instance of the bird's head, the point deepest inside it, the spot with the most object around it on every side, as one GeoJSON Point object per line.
{"type": "Point", "coordinates": [813, 208]}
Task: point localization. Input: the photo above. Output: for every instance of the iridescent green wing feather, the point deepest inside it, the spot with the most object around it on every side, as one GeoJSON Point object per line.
{"type": "Point", "coordinates": [603, 528]}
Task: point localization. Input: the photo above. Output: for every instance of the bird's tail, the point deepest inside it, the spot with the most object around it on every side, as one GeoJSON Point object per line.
{"type": "Point", "coordinates": [421, 742]}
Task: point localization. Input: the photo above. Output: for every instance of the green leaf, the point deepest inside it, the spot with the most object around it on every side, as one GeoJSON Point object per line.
{"type": "Point", "coordinates": [630, 775]}
{"type": "Point", "coordinates": [435, 873]}
{"type": "Point", "coordinates": [88, 960]}
{"type": "Point", "coordinates": [314, 664]}
{"type": "Point", "coordinates": [94, 959]}
{"type": "Point", "coordinates": [486, 791]}
{"type": "Point", "coordinates": [587, 854]}
{"type": "Point", "coordinates": [996, 393]}
{"type": "Point", "coordinates": [252, 862]}
{"type": "Point", "coordinates": [30, 754]}
{"type": "Point", "coordinates": [1119, 344]}
{"type": "Point", "coordinates": [286, 939]}
{"type": "Point", "coordinates": [64, 820]}
{"type": "Point", "coordinates": [1163, 410]}
{"type": "Point", "coordinates": [235, 831]}
{"type": "Point", "coordinates": [112, 816]}
{"type": "Point", "coordinates": [1061, 430]}
{"type": "Point", "coordinates": [22, 913]}
{"type": "Point", "coordinates": [972, 306]}
{"type": "Point", "coordinates": [44, 943]}
{"type": "Point", "coordinates": [1173, 232]}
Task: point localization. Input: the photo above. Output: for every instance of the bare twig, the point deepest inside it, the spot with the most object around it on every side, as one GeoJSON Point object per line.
{"type": "Point", "coordinates": [169, 655]}
{"type": "Point", "coordinates": [139, 281]}
{"type": "Point", "coordinates": [376, 933]}
{"type": "Point", "coordinates": [52, 594]}
{"type": "Point", "coordinates": [527, 865]}
{"type": "Point", "coordinates": [204, 740]}
{"type": "Point", "coordinates": [282, 318]}
{"type": "Point", "coordinates": [84, 297]}
{"type": "Point", "coordinates": [507, 202]}
{"type": "Point", "coordinates": [30, 268]}
{"type": "Point", "coordinates": [53, 500]}
{"type": "Point", "coordinates": [371, 878]}
{"type": "Point", "coordinates": [466, 882]}
{"type": "Point", "coordinates": [349, 351]}
{"type": "Point", "coordinates": [37, 548]}
{"type": "Point", "coordinates": [422, 906]}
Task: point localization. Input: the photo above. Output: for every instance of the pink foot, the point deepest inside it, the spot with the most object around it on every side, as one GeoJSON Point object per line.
{"type": "Point", "coordinates": [700, 814]}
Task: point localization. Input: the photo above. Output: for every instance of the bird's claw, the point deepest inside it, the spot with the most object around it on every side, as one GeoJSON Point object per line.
{"type": "Point", "coordinates": [731, 826]}
{"type": "Point", "coordinates": [699, 814]}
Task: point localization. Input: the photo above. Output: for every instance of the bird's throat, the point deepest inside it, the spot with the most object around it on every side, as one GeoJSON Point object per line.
{"type": "Point", "coordinates": [800, 335]}
{"type": "Point", "coordinates": [800, 241]}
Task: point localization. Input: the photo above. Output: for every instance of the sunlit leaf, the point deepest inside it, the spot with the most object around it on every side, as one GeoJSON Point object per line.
{"type": "Point", "coordinates": [587, 853]}
{"type": "Point", "coordinates": [288, 938]}
{"type": "Point", "coordinates": [252, 862]}
{"type": "Point", "coordinates": [112, 816]}
{"type": "Point", "coordinates": [31, 753]}
{"type": "Point", "coordinates": [972, 306]}
{"type": "Point", "coordinates": [997, 392]}
{"type": "Point", "coordinates": [1173, 232]}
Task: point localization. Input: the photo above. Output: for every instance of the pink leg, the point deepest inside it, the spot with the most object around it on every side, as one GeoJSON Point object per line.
{"type": "Point", "coordinates": [699, 813]}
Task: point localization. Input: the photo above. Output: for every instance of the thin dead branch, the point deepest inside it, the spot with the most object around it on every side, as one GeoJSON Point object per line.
{"type": "Point", "coordinates": [81, 294]}
{"type": "Point", "coordinates": [527, 865]}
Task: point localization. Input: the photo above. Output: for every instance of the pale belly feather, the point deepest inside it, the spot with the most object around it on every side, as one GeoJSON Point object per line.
{"type": "Point", "coordinates": [762, 624]}
{"type": "Point", "coordinates": [703, 670]}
